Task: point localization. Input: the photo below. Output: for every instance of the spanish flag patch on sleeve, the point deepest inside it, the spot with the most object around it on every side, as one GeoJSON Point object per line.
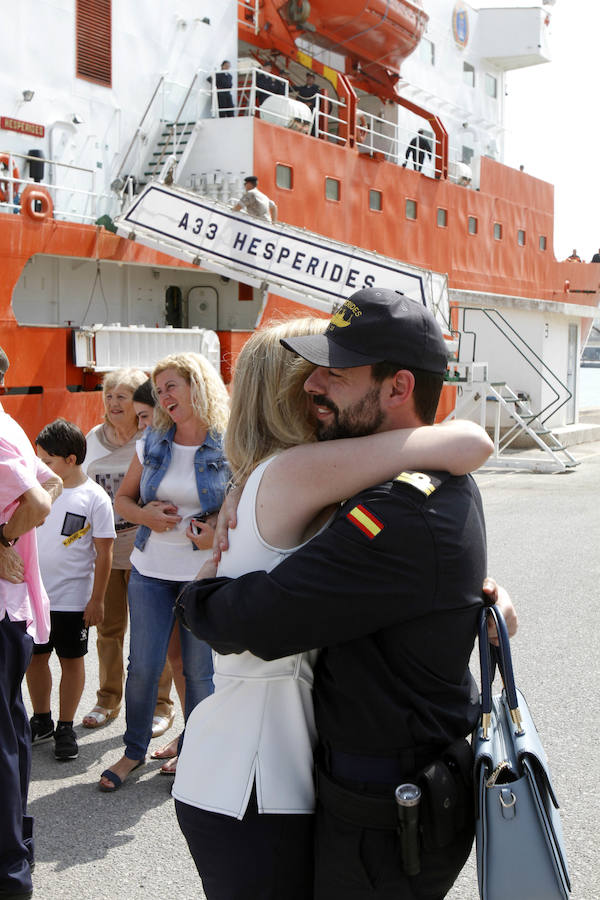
{"type": "Point", "coordinates": [366, 521]}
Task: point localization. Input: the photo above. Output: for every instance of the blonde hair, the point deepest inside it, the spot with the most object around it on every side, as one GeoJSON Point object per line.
{"type": "Point", "coordinates": [269, 407]}
{"type": "Point", "coordinates": [208, 394]}
{"type": "Point", "coordinates": [128, 378]}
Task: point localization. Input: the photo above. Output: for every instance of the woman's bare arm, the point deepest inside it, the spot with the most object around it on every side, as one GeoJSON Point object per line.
{"type": "Point", "coordinates": [303, 480]}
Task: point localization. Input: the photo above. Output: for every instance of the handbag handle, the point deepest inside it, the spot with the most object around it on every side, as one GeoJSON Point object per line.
{"type": "Point", "coordinates": [503, 657]}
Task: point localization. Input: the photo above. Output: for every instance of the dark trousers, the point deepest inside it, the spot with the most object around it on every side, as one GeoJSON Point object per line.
{"type": "Point", "coordinates": [16, 841]}
{"type": "Point", "coordinates": [262, 856]}
{"type": "Point", "coordinates": [353, 863]}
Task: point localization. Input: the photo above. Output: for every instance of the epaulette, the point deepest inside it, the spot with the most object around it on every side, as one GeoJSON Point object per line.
{"type": "Point", "coordinates": [425, 482]}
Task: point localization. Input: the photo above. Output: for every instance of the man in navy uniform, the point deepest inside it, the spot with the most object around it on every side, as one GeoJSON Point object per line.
{"type": "Point", "coordinates": [391, 592]}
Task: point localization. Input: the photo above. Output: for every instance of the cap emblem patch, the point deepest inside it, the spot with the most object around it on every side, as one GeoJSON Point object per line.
{"type": "Point", "coordinates": [342, 317]}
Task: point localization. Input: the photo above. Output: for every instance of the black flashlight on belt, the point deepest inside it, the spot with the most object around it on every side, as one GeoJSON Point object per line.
{"type": "Point", "coordinates": [408, 798]}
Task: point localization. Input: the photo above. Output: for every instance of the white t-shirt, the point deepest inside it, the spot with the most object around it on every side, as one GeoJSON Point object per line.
{"type": "Point", "coordinates": [170, 554]}
{"type": "Point", "coordinates": [258, 726]}
{"type": "Point", "coordinates": [66, 547]}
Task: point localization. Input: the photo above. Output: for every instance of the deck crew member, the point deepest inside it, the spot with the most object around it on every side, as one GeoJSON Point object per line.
{"type": "Point", "coordinates": [255, 203]}
{"type": "Point", "coordinates": [418, 149]}
{"type": "Point", "coordinates": [391, 591]}
{"type": "Point", "coordinates": [223, 85]}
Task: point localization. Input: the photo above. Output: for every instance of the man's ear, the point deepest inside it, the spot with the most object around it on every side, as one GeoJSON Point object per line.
{"type": "Point", "coordinates": [398, 389]}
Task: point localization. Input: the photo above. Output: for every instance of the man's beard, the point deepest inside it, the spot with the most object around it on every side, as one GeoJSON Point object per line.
{"type": "Point", "coordinates": [363, 418]}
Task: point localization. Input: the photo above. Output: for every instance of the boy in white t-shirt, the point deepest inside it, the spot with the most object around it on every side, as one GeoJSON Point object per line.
{"type": "Point", "coordinates": [75, 546]}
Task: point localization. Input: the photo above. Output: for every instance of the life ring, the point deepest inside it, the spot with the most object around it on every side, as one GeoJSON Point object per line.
{"type": "Point", "coordinates": [361, 129]}
{"type": "Point", "coordinates": [4, 185]}
{"type": "Point", "coordinates": [30, 195]}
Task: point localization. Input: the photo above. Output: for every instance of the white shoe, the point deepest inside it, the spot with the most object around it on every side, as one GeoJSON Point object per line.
{"type": "Point", "coordinates": [160, 724]}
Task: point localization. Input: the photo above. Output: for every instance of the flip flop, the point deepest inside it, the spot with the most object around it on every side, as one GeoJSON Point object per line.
{"type": "Point", "coordinates": [117, 782]}
{"type": "Point", "coordinates": [100, 716]}
{"type": "Point", "coordinates": [169, 767]}
{"type": "Point", "coordinates": [166, 751]}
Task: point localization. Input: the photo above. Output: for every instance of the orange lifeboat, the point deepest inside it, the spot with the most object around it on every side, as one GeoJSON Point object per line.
{"type": "Point", "coordinates": [383, 32]}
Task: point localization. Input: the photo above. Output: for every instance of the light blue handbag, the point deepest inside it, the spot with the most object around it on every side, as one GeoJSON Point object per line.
{"type": "Point", "coordinates": [520, 848]}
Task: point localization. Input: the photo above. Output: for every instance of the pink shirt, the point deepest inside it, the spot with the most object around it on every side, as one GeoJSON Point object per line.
{"type": "Point", "coordinates": [20, 470]}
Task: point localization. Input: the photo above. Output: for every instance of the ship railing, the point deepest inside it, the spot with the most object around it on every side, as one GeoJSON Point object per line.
{"type": "Point", "coordinates": [330, 119]}
{"type": "Point", "coordinates": [249, 14]}
{"type": "Point", "coordinates": [377, 135]}
{"type": "Point", "coordinates": [73, 189]}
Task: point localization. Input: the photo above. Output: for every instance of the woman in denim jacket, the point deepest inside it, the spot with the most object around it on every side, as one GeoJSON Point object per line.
{"type": "Point", "coordinates": [177, 477]}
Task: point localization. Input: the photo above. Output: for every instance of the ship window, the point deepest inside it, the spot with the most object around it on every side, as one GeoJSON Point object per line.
{"type": "Point", "coordinates": [497, 231]}
{"type": "Point", "coordinates": [375, 200]}
{"type": "Point", "coordinates": [521, 237]}
{"type": "Point", "coordinates": [411, 209]}
{"type": "Point", "coordinates": [472, 224]}
{"type": "Point", "coordinates": [94, 41]}
{"type": "Point", "coordinates": [491, 85]}
{"type": "Point", "coordinates": [332, 189]}
{"type": "Point", "coordinates": [469, 74]}
{"type": "Point", "coordinates": [283, 176]}
{"type": "Point", "coordinates": [543, 242]}
{"type": "Point", "coordinates": [467, 155]}
{"type": "Point", "coordinates": [427, 51]}
{"type": "Point", "coordinates": [442, 217]}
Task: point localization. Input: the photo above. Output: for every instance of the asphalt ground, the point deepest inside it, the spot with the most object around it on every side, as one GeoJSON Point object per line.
{"type": "Point", "coordinates": [544, 546]}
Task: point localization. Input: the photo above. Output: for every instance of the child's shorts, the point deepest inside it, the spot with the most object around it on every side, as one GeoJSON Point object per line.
{"type": "Point", "coordinates": [68, 636]}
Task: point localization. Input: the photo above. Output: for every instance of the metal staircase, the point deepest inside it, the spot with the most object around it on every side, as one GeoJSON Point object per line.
{"type": "Point", "coordinates": [171, 142]}
{"type": "Point", "coordinates": [477, 395]}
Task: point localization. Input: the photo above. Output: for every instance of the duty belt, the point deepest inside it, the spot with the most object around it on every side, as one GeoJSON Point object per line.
{"type": "Point", "coordinates": [357, 809]}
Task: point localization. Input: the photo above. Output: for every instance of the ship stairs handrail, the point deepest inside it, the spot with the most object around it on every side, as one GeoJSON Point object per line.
{"type": "Point", "coordinates": [561, 392]}
{"type": "Point", "coordinates": [56, 188]}
{"type": "Point", "coordinates": [473, 404]}
{"type": "Point", "coordinates": [514, 404]}
{"type": "Point", "coordinates": [137, 133]}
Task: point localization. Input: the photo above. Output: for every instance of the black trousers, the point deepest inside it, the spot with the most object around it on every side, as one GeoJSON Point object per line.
{"type": "Point", "coordinates": [353, 863]}
{"type": "Point", "coordinates": [16, 841]}
{"type": "Point", "coordinates": [260, 857]}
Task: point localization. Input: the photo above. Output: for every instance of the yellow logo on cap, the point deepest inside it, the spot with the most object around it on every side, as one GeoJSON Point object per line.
{"type": "Point", "coordinates": [339, 319]}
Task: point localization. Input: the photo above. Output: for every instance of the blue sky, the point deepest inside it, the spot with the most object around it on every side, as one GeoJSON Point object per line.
{"type": "Point", "coordinates": [553, 122]}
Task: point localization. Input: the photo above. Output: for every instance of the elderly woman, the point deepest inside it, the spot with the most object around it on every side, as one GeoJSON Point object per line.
{"type": "Point", "coordinates": [179, 474]}
{"type": "Point", "coordinates": [110, 449]}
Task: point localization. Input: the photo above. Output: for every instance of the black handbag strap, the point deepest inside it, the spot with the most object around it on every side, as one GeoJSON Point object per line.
{"type": "Point", "coordinates": [502, 656]}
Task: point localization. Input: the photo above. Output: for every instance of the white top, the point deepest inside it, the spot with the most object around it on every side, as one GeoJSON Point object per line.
{"type": "Point", "coordinates": [259, 725]}
{"type": "Point", "coordinates": [255, 203]}
{"type": "Point", "coordinates": [107, 463]}
{"type": "Point", "coordinates": [170, 554]}
{"type": "Point", "coordinates": [66, 546]}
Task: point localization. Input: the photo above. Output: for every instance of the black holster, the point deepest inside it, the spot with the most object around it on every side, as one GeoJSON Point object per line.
{"type": "Point", "coordinates": [446, 796]}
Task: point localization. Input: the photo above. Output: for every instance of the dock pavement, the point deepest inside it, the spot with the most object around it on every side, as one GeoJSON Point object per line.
{"type": "Point", "coordinates": [544, 546]}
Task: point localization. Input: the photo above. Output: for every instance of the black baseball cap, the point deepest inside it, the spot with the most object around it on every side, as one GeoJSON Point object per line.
{"type": "Point", "coordinates": [252, 179]}
{"type": "Point", "coordinates": [374, 325]}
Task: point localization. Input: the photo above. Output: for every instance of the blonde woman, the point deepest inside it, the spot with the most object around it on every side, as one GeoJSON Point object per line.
{"type": "Point", "coordinates": [178, 474]}
{"type": "Point", "coordinates": [244, 783]}
{"type": "Point", "coordinates": [110, 449]}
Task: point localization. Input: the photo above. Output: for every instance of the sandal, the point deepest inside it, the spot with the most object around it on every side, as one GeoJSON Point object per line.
{"type": "Point", "coordinates": [169, 767]}
{"type": "Point", "coordinates": [168, 751]}
{"type": "Point", "coordinates": [160, 724]}
{"type": "Point", "coordinates": [99, 715]}
{"type": "Point", "coordinates": [117, 782]}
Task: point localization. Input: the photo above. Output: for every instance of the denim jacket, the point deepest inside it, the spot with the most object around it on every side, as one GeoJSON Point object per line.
{"type": "Point", "coordinates": [212, 472]}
